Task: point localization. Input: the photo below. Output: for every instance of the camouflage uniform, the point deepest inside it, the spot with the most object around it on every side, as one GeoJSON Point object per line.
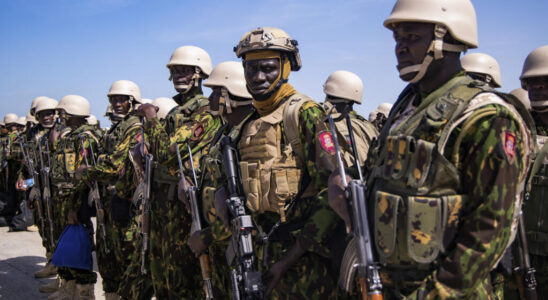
{"type": "Point", "coordinates": [175, 270]}
{"type": "Point", "coordinates": [111, 165]}
{"type": "Point", "coordinates": [443, 198]}
{"type": "Point", "coordinates": [71, 194]}
{"type": "Point", "coordinates": [310, 223]}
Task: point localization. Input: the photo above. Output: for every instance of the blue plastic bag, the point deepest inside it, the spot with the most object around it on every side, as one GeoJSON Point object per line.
{"type": "Point", "coordinates": [73, 248]}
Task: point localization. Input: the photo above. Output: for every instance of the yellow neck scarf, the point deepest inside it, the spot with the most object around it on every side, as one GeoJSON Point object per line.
{"type": "Point", "coordinates": [268, 105]}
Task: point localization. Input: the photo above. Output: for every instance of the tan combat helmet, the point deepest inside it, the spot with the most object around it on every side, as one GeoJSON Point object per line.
{"type": "Point", "coordinates": [10, 118]}
{"type": "Point", "coordinates": [373, 115]}
{"type": "Point", "coordinates": [536, 65]}
{"type": "Point", "coordinates": [483, 64]}
{"type": "Point", "coordinates": [30, 119]}
{"type": "Point", "coordinates": [522, 96]}
{"type": "Point", "coordinates": [191, 56]}
{"type": "Point", "coordinates": [126, 88]}
{"type": "Point", "coordinates": [92, 120]}
{"type": "Point", "coordinates": [22, 121]}
{"type": "Point", "coordinates": [165, 105]}
{"type": "Point", "coordinates": [229, 76]}
{"type": "Point", "coordinates": [456, 17]}
{"type": "Point", "coordinates": [74, 105]}
{"type": "Point", "coordinates": [143, 101]}
{"type": "Point", "coordinates": [270, 38]}
{"type": "Point", "coordinates": [384, 108]}
{"type": "Point", "coordinates": [35, 103]}
{"type": "Point", "coordinates": [343, 86]}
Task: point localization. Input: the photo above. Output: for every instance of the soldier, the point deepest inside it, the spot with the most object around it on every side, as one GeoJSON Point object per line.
{"type": "Point", "coordinates": [534, 79]}
{"type": "Point", "coordinates": [45, 112]}
{"type": "Point", "coordinates": [286, 155]}
{"type": "Point", "coordinates": [379, 116]}
{"type": "Point", "coordinates": [92, 120]}
{"type": "Point", "coordinates": [11, 164]}
{"type": "Point", "coordinates": [175, 271]}
{"type": "Point", "coordinates": [231, 101]}
{"type": "Point", "coordinates": [343, 89]}
{"type": "Point", "coordinates": [482, 67]}
{"type": "Point", "coordinates": [114, 249]}
{"type": "Point", "coordinates": [72, 148]}
{"type": "Point", "coordinates": [444, 178]}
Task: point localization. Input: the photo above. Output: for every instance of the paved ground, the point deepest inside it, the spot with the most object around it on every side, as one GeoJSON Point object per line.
{"type": "Point", "coordinates": [22, 254]}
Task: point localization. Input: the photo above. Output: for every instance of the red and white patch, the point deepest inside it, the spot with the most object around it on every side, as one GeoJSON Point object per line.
{"type": "Point", "coordinates": [326, 141]}
{"type": "Point", "coordinates": [197, 131]}
{"type": "Point", "coordinates": [509, 145]}
{"type": "Point", "coordinates": [86, 154]}
{"type": "Point", "coordinates": [139, 138]}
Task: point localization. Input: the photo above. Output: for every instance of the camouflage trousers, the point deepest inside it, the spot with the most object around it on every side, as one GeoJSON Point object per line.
{"type": "Point", "coordinates": [174, 268]}
{"type": "Point", "coordinates": [113, 264]}
{"type": "Point", "coordinates": [134, 285]}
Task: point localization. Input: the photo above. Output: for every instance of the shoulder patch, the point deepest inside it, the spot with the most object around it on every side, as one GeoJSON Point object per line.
{"type": "Point", "coordinates": [509, 145]}
{"type": "Point", "coordinates": [138, 138]}
{"type": "Point", "coordinates": [326, 141]}
{"type": "Point", "coordinates": [197, 131]}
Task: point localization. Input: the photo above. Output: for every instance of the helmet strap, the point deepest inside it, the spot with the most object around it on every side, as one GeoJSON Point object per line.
{"type": "Point", "coordinates": [434, 52]}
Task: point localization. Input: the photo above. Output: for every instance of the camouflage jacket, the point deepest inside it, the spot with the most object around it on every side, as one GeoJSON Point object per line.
{"type": "Point", "coordinates": [478, 203]}
{"type": "Point", "coordinates": [184, 126]}
{"type": "Point", "coordinates": [33, 137]}
{"type": "Point", "coordinates": [69, 155]}
{"type": "Point", "coordinates": [113, 163]}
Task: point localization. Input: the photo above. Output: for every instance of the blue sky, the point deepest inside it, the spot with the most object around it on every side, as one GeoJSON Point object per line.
{"type": "Point", "coordinates": [60, 47]}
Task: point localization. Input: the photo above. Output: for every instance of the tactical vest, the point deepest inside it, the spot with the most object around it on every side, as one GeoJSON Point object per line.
{"type": "Point", "coordinates": [182, 114]}
{"type": "Point", "coordinates": [66, 155]}
{"type": "Point", "coordinates": [118, 133]}
{"type": "Point", "coordinates": [412, 178]}
{"type": "Point", "coordinates": [535, 212]}
{"type": "Point", "coordinates": [271, 158]}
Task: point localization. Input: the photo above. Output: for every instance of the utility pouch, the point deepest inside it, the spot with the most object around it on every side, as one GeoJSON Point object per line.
{"type": "Point", "coordinates": [208, 207]}
{"type": "Point", "coordinates": [70, 162]}
{"type": "Point", "coordinates": [424, 228]}
{"type": "Point", "coordinates": [420, 162]}
{"type": "Point", "coordinates": [250, 184]}
{"type": "Point", "coordinates": [386, 221]}
{"type": "Point", "coordinates": [285, 184]}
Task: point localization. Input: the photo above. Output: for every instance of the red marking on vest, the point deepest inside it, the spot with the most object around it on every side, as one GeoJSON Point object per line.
{"type": "Point", "coordinates": [198, 131]}
{"type": "Point", "coordinates": [82, 152]}
{"type": "Point", "coordinates": [327, 142]}
{"type": "Point", "coordinates": [139, 138]}
{"type": "Point", "coordinates": [510, 145]}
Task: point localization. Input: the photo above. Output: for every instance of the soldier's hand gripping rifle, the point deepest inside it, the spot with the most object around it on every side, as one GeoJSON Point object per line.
{"type": "Point", "coordinates": [94, 196]}
{"type": "Point", "coordinates": [46, 192]}
{"type": "Point", "coordinates": [246, 279]}
{"type": "Point", "coordinates": [359, 252]}
{"type": "Point", "coordinates": [527, 283]}
{"type": "Point", "coordinates": [35, 196]}
{"type": "Point", "coordinates": [196, 222]}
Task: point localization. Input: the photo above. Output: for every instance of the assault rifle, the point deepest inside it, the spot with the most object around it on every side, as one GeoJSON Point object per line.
{"type": "Point", "coordinates": [246, 279]}
{"type": "Point", "coordinates": [46, 193]}
{"type": "Point", "coordinates": [141, 198]}
{"type": "Point", "coordinates": [196, 222]}
{"type": "Point", "coordinates": [527, 283]}
{"type": "Point", "coordinates": [359, 252]}
{"type": "Point", "coordinates": [35, 196]}
{"type": "Point", "coordinates": [94, 196]}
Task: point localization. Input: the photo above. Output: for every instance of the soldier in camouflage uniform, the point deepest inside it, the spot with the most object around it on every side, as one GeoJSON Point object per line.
{"type": "Point", "coordinates": [113, 258]}
{"type": "Point", "coordinates": [11, 164]}
{"type": "Point", "coordinates": [482, 67]}
{"type": "Point", "coordinates": [71, 195]}
{"type": "Point", "coordinates": [175, 270]}
{"type": "Point", "coordinates": [232, 102]}
{"type": "Point", "coordinates": [286, 155]}
{"type": "Point", "coordinates": [445, 177]}
{"type": "Point", "coordinates": [534, 78]}
{"type": "Point", "coordinates": [343, 89]}
{"type": "Point", "coordinates": [45, 112]}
